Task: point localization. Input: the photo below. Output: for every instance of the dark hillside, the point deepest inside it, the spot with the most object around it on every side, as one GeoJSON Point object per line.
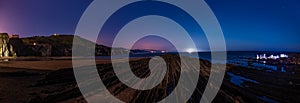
{"type": "Point", "coordinates": [55, 45]}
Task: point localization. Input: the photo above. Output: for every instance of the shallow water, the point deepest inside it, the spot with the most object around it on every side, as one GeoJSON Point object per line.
{"type": "Point", "coordinates": [239, 80]}
{"type": "Point", "coordinates": [268, 100]}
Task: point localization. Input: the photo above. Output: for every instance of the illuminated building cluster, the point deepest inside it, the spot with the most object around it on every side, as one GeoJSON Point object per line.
{"type": "Point", "coordinates": [264, 56]}
{"type": "Point", "coordinates": [158, 51]}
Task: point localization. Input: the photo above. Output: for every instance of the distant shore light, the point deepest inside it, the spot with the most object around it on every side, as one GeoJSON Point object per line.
{"type": "Point", "coordinates": [271, 56]}
{"type": "Point", "coordinates": [283, 56]}
{"type": "Point", "coordinates": [55, 34]}
{"type": "Point", "coordinates": [190, 50]}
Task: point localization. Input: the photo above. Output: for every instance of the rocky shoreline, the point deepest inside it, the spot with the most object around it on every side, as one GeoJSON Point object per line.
{"type": "Point", "coordinates": [243, 85]}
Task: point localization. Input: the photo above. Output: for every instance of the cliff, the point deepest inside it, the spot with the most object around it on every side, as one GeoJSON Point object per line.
{"type": "Point", "coordinates": [6, 49]}
{"type": "Point", "coordinates": [55, 45]}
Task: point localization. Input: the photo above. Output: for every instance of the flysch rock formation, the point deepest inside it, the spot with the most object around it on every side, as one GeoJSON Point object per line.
{"type": "Point", "coordinates": [6, 49]}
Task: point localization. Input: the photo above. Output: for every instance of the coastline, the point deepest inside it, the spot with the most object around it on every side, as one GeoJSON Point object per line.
{"type": "Point", "coordinates": [42, 80]}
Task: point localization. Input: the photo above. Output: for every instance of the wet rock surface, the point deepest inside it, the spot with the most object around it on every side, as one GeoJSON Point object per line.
{"type": "Point", "coordinates": [241, 84]}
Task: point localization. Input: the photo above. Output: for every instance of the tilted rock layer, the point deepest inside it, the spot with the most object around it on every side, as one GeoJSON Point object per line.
{"type": "Point", "coordinates": [6, 48]}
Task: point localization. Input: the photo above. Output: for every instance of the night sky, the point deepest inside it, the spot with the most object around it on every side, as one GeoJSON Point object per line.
{"type": "Point", "coordinates": [260, 25]}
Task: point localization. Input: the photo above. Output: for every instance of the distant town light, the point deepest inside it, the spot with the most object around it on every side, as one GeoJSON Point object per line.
{"type": "Point", "coordinates": [34, 43]}
{"type": "Point", "coordinates": [263, 56]}
{"type": "Point", "coordinates": [152, 51]}
{"type": "Point", "coordinates": [55, 34]}
{"type": "Point", "coordinates": [190, 50]}
{"type": "Point", "coordinates": [273, 57]}
{"type": "Point", "coordinates": [283, 56]}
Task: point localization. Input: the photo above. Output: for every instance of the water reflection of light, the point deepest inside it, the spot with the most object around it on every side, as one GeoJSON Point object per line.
{"type": "Point", "coordinates": [239, 80]}
{"type": "Point", "coordinates": [266, 99]}
{"type": "Point", "coordinates": [282, 69]}
{"type": "Point", "coordinates": [4, 60]}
